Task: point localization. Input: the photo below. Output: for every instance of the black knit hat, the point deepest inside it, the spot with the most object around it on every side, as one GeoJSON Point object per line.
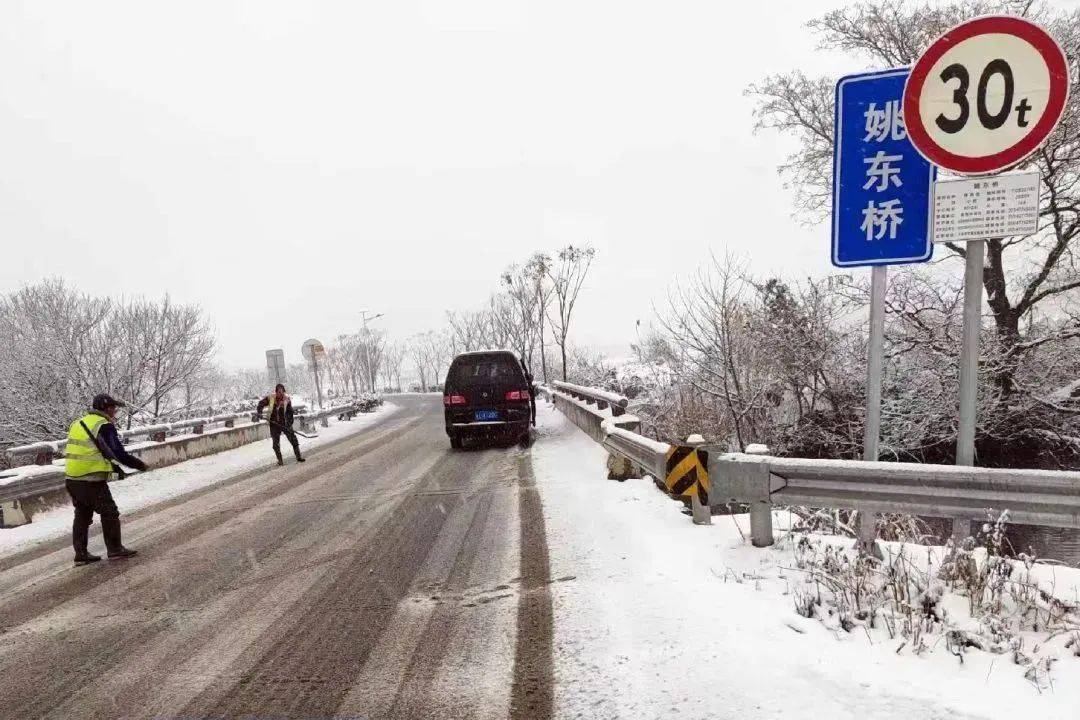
{"type": "Point", "coordinates": [105, 401]}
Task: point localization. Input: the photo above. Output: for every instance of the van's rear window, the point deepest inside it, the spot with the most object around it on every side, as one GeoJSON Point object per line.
{"type": "Point", "coordinates": [484, 370]}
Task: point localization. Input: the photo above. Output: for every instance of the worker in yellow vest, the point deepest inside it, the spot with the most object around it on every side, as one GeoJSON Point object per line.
{"type": "Point", "coordinates": [91, 456]}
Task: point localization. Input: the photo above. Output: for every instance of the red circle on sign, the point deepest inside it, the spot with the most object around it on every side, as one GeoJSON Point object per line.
{"type": "Point", "coordinates": [1035, 36]}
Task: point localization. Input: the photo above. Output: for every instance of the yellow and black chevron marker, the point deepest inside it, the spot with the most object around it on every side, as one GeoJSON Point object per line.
{"type": "Point", "coordinates": [687, 472]}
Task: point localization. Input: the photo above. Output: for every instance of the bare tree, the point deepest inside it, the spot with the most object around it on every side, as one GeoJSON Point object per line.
{"type": "Point", "coordinates": [393, 358]}
{"type": "Point", "coordinates": [438, 354]}
{"type": "Point", "coordinates": [524, 303]}
{"type": "Point", "coordinates": [430, 353]}
{"type": "Point", "coordinates": [712, 317]}
{"type": "Point", "coordinates": [58, 348]}
{"type": "Point", "coordinates": [179, 344]}
{"type": "Point", "coordinates": [370, 347]}
{"type": "Point", "coordinates": [567, 277]}
{"type": "Point", "coordinates": [418, 354]}
{"type": "Point", "coordinates": [537, 269]}
{"type": "Point", "coordinates": [468, 330]}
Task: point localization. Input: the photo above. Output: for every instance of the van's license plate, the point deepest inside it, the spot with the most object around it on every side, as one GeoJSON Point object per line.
{"type": "Point", "coordinates": [482, 415]}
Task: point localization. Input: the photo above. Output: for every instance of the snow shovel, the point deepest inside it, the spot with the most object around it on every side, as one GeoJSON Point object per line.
{"type": "Point", "coordinates": [283, 429]}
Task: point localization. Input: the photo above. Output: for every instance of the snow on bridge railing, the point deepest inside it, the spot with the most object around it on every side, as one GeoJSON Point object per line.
{"type": "Point", "coordinates": [590, 416]}
{"type": "Point", "coordinates": [1048, 498]}
{"type": "Point", "coordinates": [46, 472]}
{"type": "Point", "coordinates": [602, 398]}
{"type": "Point", "coordinates": [647, 454]}
{"type": "Point", "coordinates": [617, 433]}
{"type": "Point", "coordinates": [963, 494]}
{"type": "Point", "coordinates": [43, 453]}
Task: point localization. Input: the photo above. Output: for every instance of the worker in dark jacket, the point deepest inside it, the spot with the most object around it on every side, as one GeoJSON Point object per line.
{"type": "Point", "coordinates": [91, 456]}
{"type": "Point", "coordinates": [280, 417]}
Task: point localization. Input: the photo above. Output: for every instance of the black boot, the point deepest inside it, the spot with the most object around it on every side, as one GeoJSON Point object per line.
{"type": "Point", "coordinates": [110, 531]}
{"type": "Point", "coordinates": [86, 559]}
{"type": "Point", "coordinates": [80, 538]}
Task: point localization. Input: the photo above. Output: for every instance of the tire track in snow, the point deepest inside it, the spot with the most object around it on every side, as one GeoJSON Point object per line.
{"type": "Point", "coordinates": [533, 692]}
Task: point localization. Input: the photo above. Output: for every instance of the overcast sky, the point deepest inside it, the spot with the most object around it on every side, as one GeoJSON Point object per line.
{"type": "Point", "coordinates": [286, 165]}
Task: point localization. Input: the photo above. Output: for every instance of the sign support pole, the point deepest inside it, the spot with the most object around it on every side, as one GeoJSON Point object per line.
{"type": "Point", "coordinates": [866, 523]}
{"type": "Point", "coordinates": [315, 368]}
{"type": "Point", "coordinates": [875, 357]}
{"type": "Point", "coordinates": [969, 352]}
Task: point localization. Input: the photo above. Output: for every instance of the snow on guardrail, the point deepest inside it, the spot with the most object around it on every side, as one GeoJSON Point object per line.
{"type": "Point", "coordinates": [47, 472]}
{"type": "Point", "coordinates": [646, 443]}
{"type": "Point", "coordinates": [593, 395]}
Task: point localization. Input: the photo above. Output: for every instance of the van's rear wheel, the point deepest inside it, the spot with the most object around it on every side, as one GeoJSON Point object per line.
{"type": "Point", "coordinates": [455, 441]}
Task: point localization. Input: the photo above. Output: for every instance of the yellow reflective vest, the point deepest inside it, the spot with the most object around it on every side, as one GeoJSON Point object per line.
{"type": "Point", "coordinates": [271, 401]}
{"type": "Point", "coordinates": [81, 455]}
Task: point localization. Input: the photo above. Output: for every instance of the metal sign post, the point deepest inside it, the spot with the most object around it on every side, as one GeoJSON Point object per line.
{"type": "Point", "coordinates": [313, 349]}
{"type": "Point", "coordinates": [969, 352]}
{"type": "Point", "coordinates": [875, 361]}
{"type": "Point", "coordinates": [981, 98]}
{"type": "Point", "coordinates": [972, 210]}
{"type": "Point", "coordinates": [881, 205]}
{"type": "Point", "coordinates": [318, 387]}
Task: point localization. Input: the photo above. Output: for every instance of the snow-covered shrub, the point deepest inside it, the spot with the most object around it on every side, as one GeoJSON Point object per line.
{"type": "Point", "coordinates": [962, 597]}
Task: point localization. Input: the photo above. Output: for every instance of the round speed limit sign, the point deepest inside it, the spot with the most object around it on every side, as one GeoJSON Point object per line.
{"type": "Point", "coordinates": [986, 94]}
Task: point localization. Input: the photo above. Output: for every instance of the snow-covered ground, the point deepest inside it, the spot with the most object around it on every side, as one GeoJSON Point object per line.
{"type": "Point", "coordinates": [154, 486]}
{"type": "Point", "coordinates": [655, 617]}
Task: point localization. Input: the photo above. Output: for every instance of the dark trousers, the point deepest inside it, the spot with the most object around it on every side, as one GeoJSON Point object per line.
{"type": "Point", "coordinates": [275, 437]}
{"type": "Point", "coordinates": [89, 497]}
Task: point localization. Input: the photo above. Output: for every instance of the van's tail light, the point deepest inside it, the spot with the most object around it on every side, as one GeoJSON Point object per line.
{"type": "Point", "coordinates": [454, 400]}
{"type": "Point", "coordinates": [517, 395]}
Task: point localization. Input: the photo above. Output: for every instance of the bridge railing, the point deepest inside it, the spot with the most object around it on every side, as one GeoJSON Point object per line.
{"type": "Point", "coordinates": [647, 454]}
{"type": "Point", "coordinates": [590, 414]}
{"type": "Point", "coordinates": [603, 399]}
{"type": "Point", "coordinates": [963, 494]}
{"type": "Point", "coordinates": [43, 453]}
{"type": "Point", "coordinates": [45, 471]}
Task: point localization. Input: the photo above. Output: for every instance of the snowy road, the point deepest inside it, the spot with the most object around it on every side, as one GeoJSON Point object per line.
{"type": "Point", "coordinates": [383, 578]}
{"type": "Point", "coordinates": [390, 577]}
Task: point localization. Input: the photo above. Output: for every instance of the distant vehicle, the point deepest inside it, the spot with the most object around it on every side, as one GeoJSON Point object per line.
{"type": "Point", "coordinates": [487, 395]}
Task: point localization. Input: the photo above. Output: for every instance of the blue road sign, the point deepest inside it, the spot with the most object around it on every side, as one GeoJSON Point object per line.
{"type": "Point", "coordinates": [882, 185]}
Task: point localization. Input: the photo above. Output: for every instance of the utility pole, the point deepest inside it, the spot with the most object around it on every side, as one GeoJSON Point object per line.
{"type": "Point", "coordinates": [366, 315]}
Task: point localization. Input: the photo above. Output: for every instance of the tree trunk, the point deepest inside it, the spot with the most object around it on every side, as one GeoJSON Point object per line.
{"type": "Point", "coordinates": [543, 356]}
{"type": "Point", "coordinates": [1006, 317]}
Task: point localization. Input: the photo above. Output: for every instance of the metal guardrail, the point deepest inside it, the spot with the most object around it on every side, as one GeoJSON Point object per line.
{"type": "Point", "coordinates": [649, 455]}
{"type": "Point", "coordinates": [963, 494]}
{"type": "Point", "coordinates": [590, 416]}
{"type": "Point", "coordinates": [44, 452]}
{"type": "Point", "coordinates": [602, 398]}
{"type": "Point", "coordinates": [48, 477]}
